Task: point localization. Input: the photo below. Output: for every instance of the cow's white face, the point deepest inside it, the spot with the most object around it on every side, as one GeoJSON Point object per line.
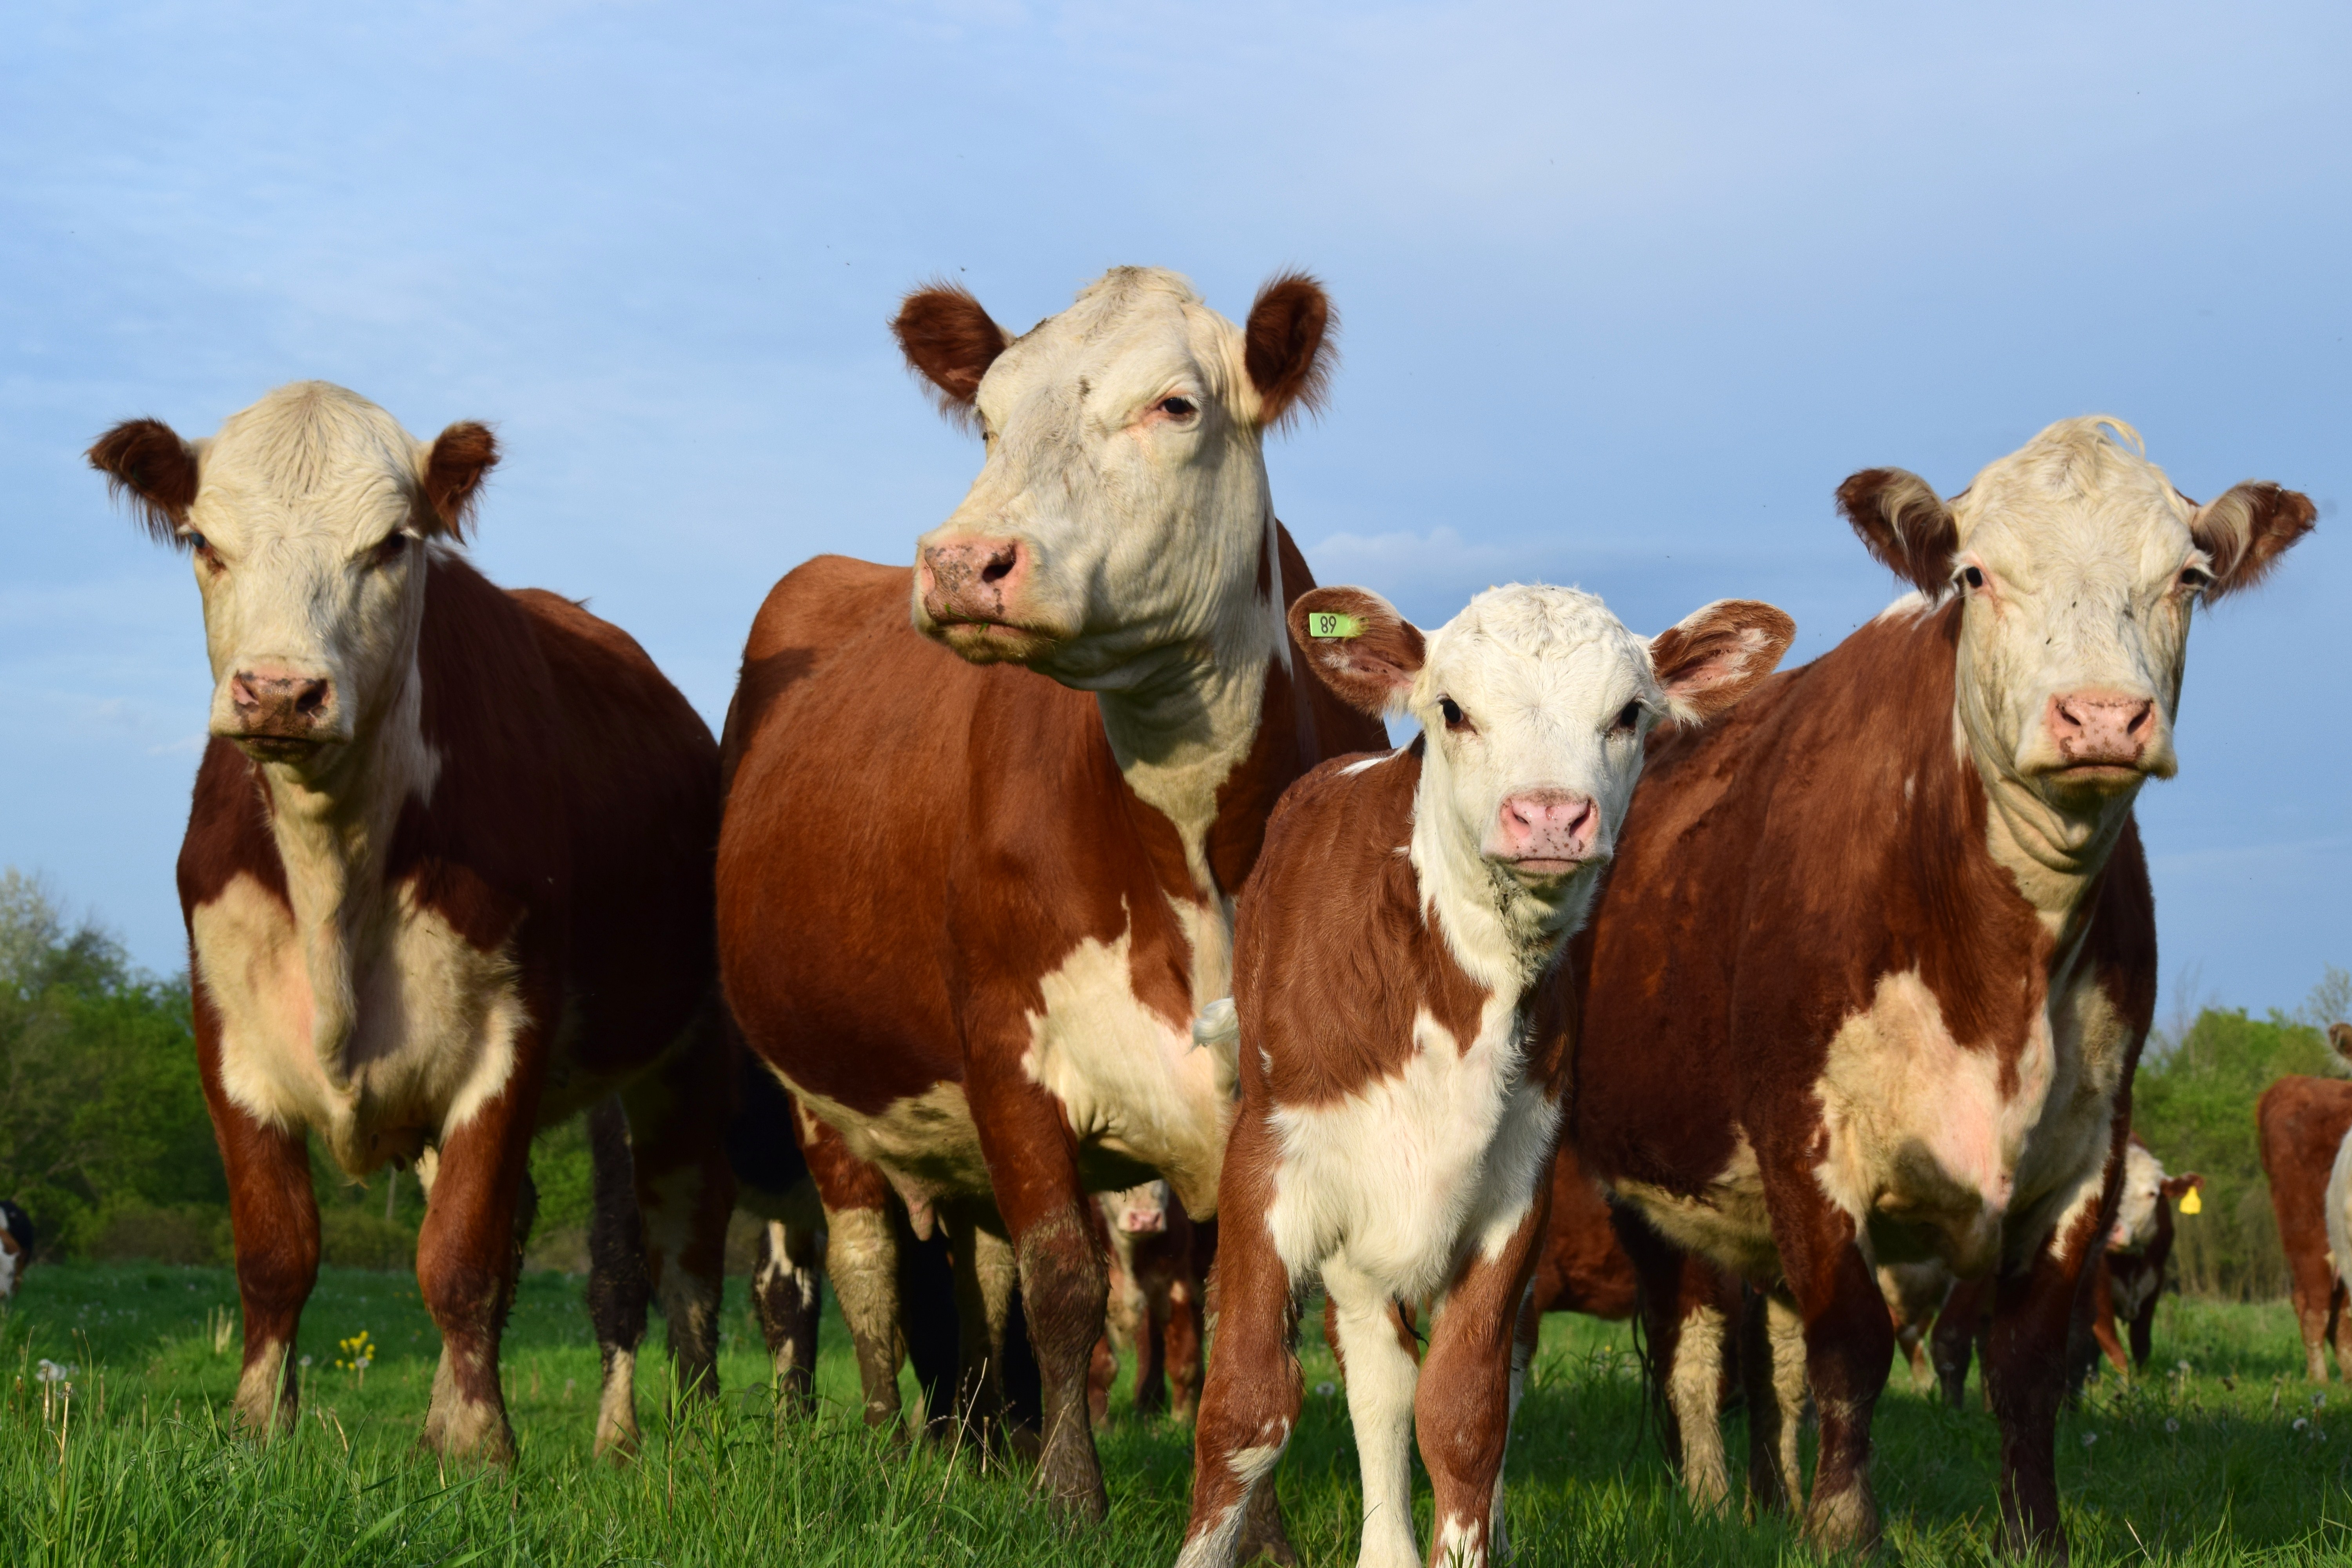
{"type": "Point", "coordinates": [2136, 1208]}
{"type": "Point", "coordinates": [307, 517]}
{"type": "Point", "coordinates": [1121, 508]}
{"type": "Point", "coordinates": [1534, 702]}
{"type": "Point", "coordinates": [2080, 566]}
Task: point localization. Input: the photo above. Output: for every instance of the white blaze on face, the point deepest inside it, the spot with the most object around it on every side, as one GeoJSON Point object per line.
{"type": "Point", "coordinates": [2136, 1208]}
{"type": "Point", "coordinates": [1533, 704]}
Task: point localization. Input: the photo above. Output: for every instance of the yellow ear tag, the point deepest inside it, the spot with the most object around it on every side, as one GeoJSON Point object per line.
{"type": "Point", "coordinates": [1332, 624]}
{"type": "Point", "coordinates": [2192, 1203]}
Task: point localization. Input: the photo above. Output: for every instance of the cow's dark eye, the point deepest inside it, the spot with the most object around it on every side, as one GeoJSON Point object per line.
{"type": "Point", "coordinates": [394, 546]}
{"type": "Point", "coordinates": [1178, 408]}
{"type": "Point", "coordinates": [1973, 577]}
{"type": "Point", "coordinates": [1628, 718]}
{"type": "Point", "coordinates": [199, 543]}
{"type": "Point", "coordinates": [1455, 720]}
{"type": "Point", "coordinates": [2195, 577]}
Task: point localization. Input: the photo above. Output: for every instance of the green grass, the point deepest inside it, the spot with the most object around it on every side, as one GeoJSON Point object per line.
{"type": "Point", "coordinates": [2205, 1467]}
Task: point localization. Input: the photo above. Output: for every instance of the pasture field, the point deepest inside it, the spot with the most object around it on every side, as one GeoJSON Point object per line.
{"type": "Point", "coordinates": [2232, 1461]}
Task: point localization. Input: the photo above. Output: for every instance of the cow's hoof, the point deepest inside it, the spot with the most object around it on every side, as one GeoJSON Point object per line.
{"type": "Point", "coordinates": [1263, 1536]}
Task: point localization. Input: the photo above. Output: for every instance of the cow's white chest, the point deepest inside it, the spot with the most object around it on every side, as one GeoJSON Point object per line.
{"type": "Point", "coordinates": [1129, 1080]}
{"type": "Point", "coordinates": [424, 1039]}
{"type": "Point", "coordinates": [1402, 1178]}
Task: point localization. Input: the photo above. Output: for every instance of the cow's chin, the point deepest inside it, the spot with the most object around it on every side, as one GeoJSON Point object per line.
{"type": "Point", "coordinates": [2087, 785]}
{"type": "Point", "coordinates": [304, 754]}
{"type": "Point", "coordinates": [993, 642]}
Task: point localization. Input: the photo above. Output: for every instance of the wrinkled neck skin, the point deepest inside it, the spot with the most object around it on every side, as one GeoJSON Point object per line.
{"type": "Point", "coordinates": [333, 824]}
{"type": "Point", "coordinates": [1504, 933]}
{"type": "Point", "coordinates": [2055, 849]}
{"type": "Point", "coordinates": [1181, 715]}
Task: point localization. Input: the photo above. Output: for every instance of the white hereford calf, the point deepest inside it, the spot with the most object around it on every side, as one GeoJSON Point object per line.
{"type": "Point", "coordinates": [1401, 1057]}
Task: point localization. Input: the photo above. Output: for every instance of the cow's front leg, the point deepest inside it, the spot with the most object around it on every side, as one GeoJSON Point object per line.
{"type": "Point", "coordinates": [1032, 1165]}
{"type": "Point", "coordinates": [1684, 1379]}
{"type": "Point", "coordinates": [1772, 1370]}
{"type": "Point", "coordinates": [686, 1190]}
{"type": "Point", "coordinates": [274, 1215]}
{"type": "Point", "coordinates": [618, 1286]}
{"type": "Point", "coordinates": [1461, 1408]}
{"type": "Point", "coordinates": [785, 1277]}
{"type": "Point", "coordinates": [983, 1297]}
{"type": "Point", "coordinates": [466, 1259]}
{"type": "Point", "coordinates": [1849, 1350]}
{"type": "Point", "coordinates": [2035, 1304]}
{"type": "Point", "coordinates": [861, 1254]}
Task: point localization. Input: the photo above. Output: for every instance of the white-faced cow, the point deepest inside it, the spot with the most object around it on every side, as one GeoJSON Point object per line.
{"type": "Point", "coordinates": [1158, 1305]}
{"type": "Point", "coordinates": [967, 914]}
{"type": "Point", "coordinates": [447, 880]}
{"type": "Point", "coordinates": [1878, 953]}
{"type": "Point", "coordinates": [16, 1245]}
{"type": "Point", "coordinates": [1402, 1051]}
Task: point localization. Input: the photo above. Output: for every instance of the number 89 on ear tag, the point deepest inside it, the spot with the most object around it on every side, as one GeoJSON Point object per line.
{"type": "Point", "coordinates": [1332, 624]}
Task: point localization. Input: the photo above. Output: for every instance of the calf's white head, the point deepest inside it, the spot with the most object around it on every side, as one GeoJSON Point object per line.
{"type": "Point", "coordinates": [1122, 514]}
{"type": "Point", "coordinates": [2145, 1191]}
{"type": "Point", "coordinates": [1534, 703]}
{"type": "Point", "coordinates": [308, 516]}
{"type": "Point", "coordinates": [2079, 563]}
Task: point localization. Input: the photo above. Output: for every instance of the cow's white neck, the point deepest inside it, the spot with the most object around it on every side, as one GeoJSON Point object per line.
{"type": "Point", "coordinates": [1183, 726]}
{"type": "Point", "coordinates": [333, 833]}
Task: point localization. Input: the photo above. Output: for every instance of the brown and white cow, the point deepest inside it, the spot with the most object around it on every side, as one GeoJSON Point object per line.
{"type": "Point", "coordinates": [1402, 1052]}
{"type": "Point", "coordinates": [968, 915]}
{"type": "Point", "coordinates": [2301, 1122]}
{"type": "Point", "coordinates": [15, 1247]}
{"type": "Point", "coordinates": [447, 880]}
{"type": "Point", "coordinates": [1878, 952]}
{"type": "Point", "coordinates": [1158, 1267]}
{"type": "Point", "coordinates": [2130, 1277]}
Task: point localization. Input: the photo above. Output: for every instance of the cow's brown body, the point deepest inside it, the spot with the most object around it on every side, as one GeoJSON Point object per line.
{"type": "Point", "coordinates": [1777, 869]}
{"type": "Point", "coordinates": [569, 829]}
{"type": "Point", "coordinates": [2301, 1123]}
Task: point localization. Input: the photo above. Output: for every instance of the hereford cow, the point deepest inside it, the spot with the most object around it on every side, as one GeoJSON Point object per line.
{"type": "Point", "coordinates": [1156, 1265]}
{"type": "Point", "coordinates": [1878, 952]}
{"type": "Point", "coordinates": [447, 880]}
{"type": "Point", "coordinates": [2301, 1123]}
{"type": "Point", "coordinates": [1402, 1052]}
{"type": "Point", "coordinates": [2130, 1276]}
{"type": "Point", "coordinates": [15, 1247]}
{"type": "Point", "coordinates": [968, 914]}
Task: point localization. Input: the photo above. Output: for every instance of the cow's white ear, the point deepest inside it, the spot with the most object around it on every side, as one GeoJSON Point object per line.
{"type": "Point", "coordinates": [1359, 646]}
{"type": "Point", "coordinates": [2245, 531]}
{"type": "Point", "coordinates": [1717, 654]}
{"type": "Point", "coordinates": [455, 466]}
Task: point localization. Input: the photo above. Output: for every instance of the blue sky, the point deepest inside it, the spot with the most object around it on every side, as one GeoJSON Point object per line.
{"type": "Point", "coordinates": [1625, 292]}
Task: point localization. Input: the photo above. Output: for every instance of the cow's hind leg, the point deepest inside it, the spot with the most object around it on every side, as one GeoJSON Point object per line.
{"type": "Point", "coordinates": [274, 1215]}
{"type": "Point", "coordinates": [1676, 1300]}
{"type": "Point", "coordinates": [785, 1276]}
{"type": "Point", "coordinates": [983, 1300]}
{"type": "Point", "coordinates": [861, 1255]}
{"type": "Point", "coordinates": [618, 1286]}
{"type": "Point", "coordinates": [1772, 1370]}
{"type": "Point", "coordinates": [686, 1191]}
{"type": "Point", "coordinates": [1849, 1350]}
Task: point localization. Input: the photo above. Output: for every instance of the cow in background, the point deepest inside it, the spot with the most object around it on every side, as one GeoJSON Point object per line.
{"type": "Point", "coordinates": [1404, 1050]}
{"type": "Point", "coordinates": [446, 881]}
{"type": "Point", "coordinates": [16, 1245]}
{"type": "Point", "coordinates": [2301, 1122]}
{"type": "Point", "coordinates": [968, 915]}
{"type": "Point", "coordinates": [1158, 1259]}
{"type": "Point", "coordinates": [1915, 1294]}
{"type": "Point", "coordinates": [2131, 1269]}
{"type": "Point", "coordinates": [1877, 956]}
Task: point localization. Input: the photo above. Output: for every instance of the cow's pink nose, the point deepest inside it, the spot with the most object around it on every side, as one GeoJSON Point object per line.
{"type": "Point", "coordinates": [972, 579]}
{"type": "Point", "coordinates": [1144, 1222]}
{"type": "Point", "coordinates": [2101, 729]}
{"type": "Point", "coordinates": [270, 703]}
{"type": "Point", "coordinates": [1548, 826]}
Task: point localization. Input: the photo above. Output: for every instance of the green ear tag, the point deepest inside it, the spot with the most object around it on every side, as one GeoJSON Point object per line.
{"type": "Point", "coordinates": [1332, 624]}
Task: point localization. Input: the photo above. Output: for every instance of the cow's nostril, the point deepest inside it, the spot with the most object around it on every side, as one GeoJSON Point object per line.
{"type": "Point", "coordinates": [999, 567]}
{"type": "Point", "coordinates": [311, 698]}
{"type": "Point", "coordinates": [2142, 720]}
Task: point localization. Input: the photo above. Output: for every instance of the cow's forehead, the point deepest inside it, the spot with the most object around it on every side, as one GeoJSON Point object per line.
{"type": "Point", "coordinates": [1537, 640]}
{"type": "Point", "coordinates": [309, 457]}
{"type": "Point", "coordinates": [2140, 1168]}
{"type": "Point", "coordinates": [2082, 494]}
{"type": "Point", "coordinates": [1135, 324]}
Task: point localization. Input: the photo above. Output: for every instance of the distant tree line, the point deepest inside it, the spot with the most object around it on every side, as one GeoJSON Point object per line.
{"type": "Point", "coordinates": [105, 1140]}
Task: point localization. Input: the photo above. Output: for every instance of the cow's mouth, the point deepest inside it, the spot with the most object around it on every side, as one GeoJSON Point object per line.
{"type": "Point", "coordinates": [1547, 867]}
{"type": "Point", "coordinates": [278, 748]}
{"type": "Point", "coordinates": [993, 642]}
{"type": "Point", "coordinates": [2101, 778]}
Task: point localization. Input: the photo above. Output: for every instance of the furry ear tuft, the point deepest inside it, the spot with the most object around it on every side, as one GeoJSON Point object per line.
{"type": "Point", "coordinates": [461, 456]}
{"type": "Point", "coordinates": [1290, 347]}
{"type": "Point", "coordinates": [2246, 529]}
{"type": "Point", "coordinates": [1906, 524]}
{"type": "Point", "coordinates": [949, 342]}
{"type": "Point", "coordinates": [1372, 667]}
{"type": "Point", "coordinates": [146, 460]}
{"type": "Point", "coordinates": [1715, 656]}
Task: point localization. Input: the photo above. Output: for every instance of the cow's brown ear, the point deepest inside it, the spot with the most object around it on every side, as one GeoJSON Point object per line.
{"type": "Point", "coordinates": [949, 342]}
{"type": "Point", "coordinates": [1290, 347]}
{"type": "Point", "coordinates": [1359, 646]}
{"type": "Point", "coordinates": [1906, 524]}
{"type": "Point", "coordinates": [2246, 529]}
{"type": "Point", "coordinates": [1716, 653]}
{"type": "Point", "coordinates": [2180, 1186]}
{"type": "Point", "coordinates": [458, 460]}
{"type": "Point", "coordinates": [146, 460]}
{"type": "Point", "coordinates": [2340, 1036]}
